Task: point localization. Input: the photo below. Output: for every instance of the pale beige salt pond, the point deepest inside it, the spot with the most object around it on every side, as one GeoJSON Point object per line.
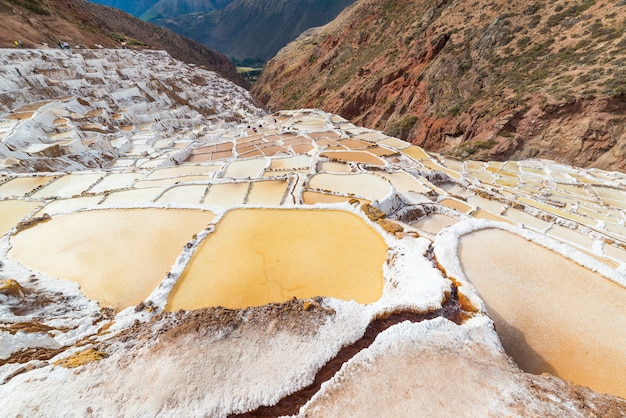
{"type": "Point", "coordinates": [456, 205]}
{"type": "Point", "coordinates": [22, 185]}
{"type": "Point", "coordinates": [570, 236]}
{"type": "Point", "coordinates": [67, 205]}
{"type": "Point", "coordinates": [404, 182]}
{"type": "Point", "coordinates": [312, 198]}
{"type": "Point", "coordinates": [246, 168]}
{"type": "Point", "coordinates": [267, 192]}
{"type": "Point", "coordinates": [434, 223]}
{"type": "Point", "coordinates": [146, 195]}
{"type": "Point", "coordinates": [183, 170]}
{"type": "Point", "coordinates": [191, 194]}
{"type": "Point", "coordinates": [117, 256]}
{"type": "Point", "coordinates": [170, 181]}
{"type": "Point", "coordinates": [335, 167]}
{"type": "Point", "coordinates": [354, 156]}
{"type": "Point", "coordinates": [258, 256]}
{"type": "Point", "coordinates": [226, 194]}
{"type": "Point", "coordinates": [551, 314]}
{"type": "Point", "coordinates": [116, 181]}
{"type": "Point", "coordinates": [483, 214]}
{"type": "Point", "coordinates": [13, 211]}
{"type": "Point", "coordinates": [290, 163]}
{"type": "Point", "coordinates": [362, 184]}
{"type": "Point", "coordinates": [67, 186]}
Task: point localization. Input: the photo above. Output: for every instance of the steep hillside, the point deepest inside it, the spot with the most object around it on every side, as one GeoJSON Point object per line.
{"type": "Point", "coordinates": [37, 23]}
{"type": "Point", "coordinates": [496, 80]}
{"type": "Point", "coordinates": [254, 30]}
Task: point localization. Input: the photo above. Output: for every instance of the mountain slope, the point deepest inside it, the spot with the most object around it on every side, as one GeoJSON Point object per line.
{"type": "Point", "coordinates": [477, 79]}
{"type": "Point", "coordinates": [36, 23]}
{"type": "Point", "coordinates": [254, 30]}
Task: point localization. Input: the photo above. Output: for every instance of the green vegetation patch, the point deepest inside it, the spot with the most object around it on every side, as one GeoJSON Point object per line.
{"type": "Point", "coordinates": [470, 148]}
{"type": "Point", "coordinates": [34, 6]}
{"type": "Point", "coordinates": [401, 128]}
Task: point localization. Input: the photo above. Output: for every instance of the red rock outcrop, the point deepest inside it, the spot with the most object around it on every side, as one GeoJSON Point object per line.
{"type": "Point", "coordinates": [486, 80]}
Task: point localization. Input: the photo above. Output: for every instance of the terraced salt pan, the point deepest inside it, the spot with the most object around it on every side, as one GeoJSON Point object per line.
{"type": "Point", "coordinates": [258, 256]}
{"type": "Point", "coordinates": [487, 204]}
{"type": "Point", "coordinates": [118, 256]}
{"type": "Point", "coordinates": [617, 203]}
{"type": "Point", "coordinates": [525, 219]}
{"type": "Point", "coordinates": [434, 223]}
{"type": "Point", "coordinates": [12, 212]}
{"type": "Point", "coordinates": [437, 167]}
{"type": "Point", "coordinates": [170, 181]}
{"type": "Point", "coordinates": [290, 163]}
{"type": "Point", "coordinates": [67, 186]}
{"type": "Point", "coordinates": [615, 253]}
{"type": "Point", "coordinates": [483, 176]}
{"type": "Point", "coordinates": [483, 214]}
{"type": "Point", "coordinates": [404, 182]}
{"type": "Point", "coordinates": [67, 205]}
{"type": "Point", "coordinates": [22, 185]}
{"type": "Point", "coordinates": [312, 198]}
{"type": "Point", "coordinates": [182, 170]}
{"type": "Point", "coordinates": [412, 151]}
{"type": "Point", "coordinates": [117, 181]}
{"type": "Point", "coordinates": [335, 167]}
{"type": "Point", "coordinates": [153, 163]}
{"type": "Point", "coordinates": [456, 205]}
{"type": "Point", "coordinates": [191, 194]}
{"type": "Point", "coordinates": [246, 168]}
{"type": "Point", "coordinates": [226, 194]}
{"type": "Point", "coordinates": [145, 195]}
{"type": "Point", "coordinates": [267, 192]}
{"type": "Point", "coordinates": [551, 314]}
{"type": "Point", "coordinates": [381, 152]}
{"type": "Point", "coordinates": [571, 236]}
{"type": "Point", "coordinates": [354, 156]}
{"type": "Point", "coordinates": [353, 144]}
{"type": "Point", "coordinates": [361, 184]}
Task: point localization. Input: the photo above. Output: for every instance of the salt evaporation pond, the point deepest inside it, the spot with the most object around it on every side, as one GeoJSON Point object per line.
{"type": "Point", "coordinates": [21, 186]}
{"type": "Point", "coordinates": [434, 223]}
{"type": "Point", "coordinates": [118, 256]}
{"type": "Point", "coordinates": [551, 314]}
{"type": "Point", "coordinates": [12, 212]}
{"type": "Point", "coordinates": [259, 256]}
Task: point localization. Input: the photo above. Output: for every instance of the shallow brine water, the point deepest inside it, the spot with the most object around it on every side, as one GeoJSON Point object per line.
{"type": "Point", "coordinates": [118, 256]}
{"type": "Point", "coordinates": [258, 256]}
{"type": "Point", "coordinates": [551, 314]}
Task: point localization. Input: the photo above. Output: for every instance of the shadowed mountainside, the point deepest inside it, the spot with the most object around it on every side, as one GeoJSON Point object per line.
{"type": "Point", "coordinates": [39, 23]}
{"type": "Point", "coordinates": [159, 9]}
{"type": "Point", "coordinates": [254, 30]}
{"type": "Point", "coordinates": [134, 7]}
{"type": "Point", "coordinates": [480, 80]}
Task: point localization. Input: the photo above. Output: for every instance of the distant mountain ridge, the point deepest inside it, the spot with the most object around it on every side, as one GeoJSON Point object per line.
{"type": "Point", "coordinates": [163, 9]}
{"type": "Point", "coordinates": [472, 79]}
{"type": "Point", "coordinates": [166, 9]}
{"type": "Point", "coordinates": [37, 23]}
{"type": "Point", "coordinates": [134, 7]}
{"type": "Point", "coordinates": [247, 30]}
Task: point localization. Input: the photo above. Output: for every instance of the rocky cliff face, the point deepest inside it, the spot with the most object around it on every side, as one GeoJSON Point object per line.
{"type": "Point", "coordinates": [38, 23]}
{"type": "Point", "coordinates": [486, 80]}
